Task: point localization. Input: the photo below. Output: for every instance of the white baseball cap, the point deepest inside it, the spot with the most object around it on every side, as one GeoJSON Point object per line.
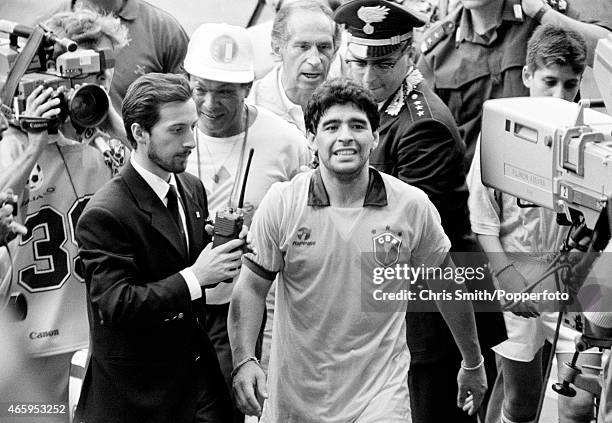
{"type": "Point", "coordinates": [220, 52]}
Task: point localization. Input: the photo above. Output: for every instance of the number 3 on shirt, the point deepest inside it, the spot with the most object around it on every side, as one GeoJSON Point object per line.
{"type": "Point", "coordinates": [51, 267]}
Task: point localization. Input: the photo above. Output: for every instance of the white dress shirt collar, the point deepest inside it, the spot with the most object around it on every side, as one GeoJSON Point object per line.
{"type": "Point", "coordinates": [157, 184]}
{"type": "Point", "coordinates": [294, 110]}
{"type": "Point", "coordinates": [161, 187]}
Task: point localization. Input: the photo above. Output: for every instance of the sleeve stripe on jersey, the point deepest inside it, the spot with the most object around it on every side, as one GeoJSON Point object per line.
{"type": "Point", "coordinates": [257, 269]}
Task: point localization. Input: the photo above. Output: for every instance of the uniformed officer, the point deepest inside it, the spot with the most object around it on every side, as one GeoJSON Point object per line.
{"type": "Point", "coordinates": [478, 52]}
{"type": "Point", "coordinates": [419, 144]}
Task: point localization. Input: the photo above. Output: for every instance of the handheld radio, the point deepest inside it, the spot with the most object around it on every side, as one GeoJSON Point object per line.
{"type": "Point", "coordinates": [228, 223]}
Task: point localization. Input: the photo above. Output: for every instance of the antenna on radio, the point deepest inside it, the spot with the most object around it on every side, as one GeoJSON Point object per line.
{"type": "Point", "coordinates": [244, 181]}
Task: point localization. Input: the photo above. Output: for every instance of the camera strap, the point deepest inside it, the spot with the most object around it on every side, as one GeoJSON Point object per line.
{"type": "Point", "coordinates": [21, 66]}
{"type": "Point", "coordinates": [38, 124]}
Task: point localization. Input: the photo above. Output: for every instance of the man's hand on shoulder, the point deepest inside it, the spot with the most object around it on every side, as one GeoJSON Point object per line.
{"type": "Point", "coordinates": [249, 385]}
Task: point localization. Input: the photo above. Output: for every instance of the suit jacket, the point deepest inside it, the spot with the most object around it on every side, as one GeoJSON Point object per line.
{"type": "Point", "coordinates": [151, 360]}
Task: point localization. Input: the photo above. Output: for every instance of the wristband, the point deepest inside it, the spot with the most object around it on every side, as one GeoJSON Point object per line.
{"type": "Point", "coordinates": [476, 367]}
{"type": "Point", "coordinates": [500, 271]}
{"type": "Point", "coordinates": [541, 11]}
{"type": "Point", "coordinates": [242, 363]}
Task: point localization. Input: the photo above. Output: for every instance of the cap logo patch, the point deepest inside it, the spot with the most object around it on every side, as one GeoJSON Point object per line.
{"type": "Point", "coordinates": [370, 15]}
{"type": "Point", "coordinates": [223, 49]}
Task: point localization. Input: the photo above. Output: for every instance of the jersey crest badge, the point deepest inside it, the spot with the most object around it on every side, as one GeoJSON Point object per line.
{"type": "Point", "coordinates": [386, 248]}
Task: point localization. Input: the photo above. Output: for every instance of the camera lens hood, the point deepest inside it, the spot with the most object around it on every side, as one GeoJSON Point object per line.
{"type": "Point", "coordinates": [88, 106]}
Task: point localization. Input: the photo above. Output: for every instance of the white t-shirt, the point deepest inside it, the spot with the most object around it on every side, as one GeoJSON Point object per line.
{"type": "Point", "coordinates": [520, 230]}
{"type": "Point", "coordinates": [279, 151]}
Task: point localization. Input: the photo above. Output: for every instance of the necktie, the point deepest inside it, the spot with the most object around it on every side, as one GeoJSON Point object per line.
{"type": "Point", "coordinates": [173, 208]}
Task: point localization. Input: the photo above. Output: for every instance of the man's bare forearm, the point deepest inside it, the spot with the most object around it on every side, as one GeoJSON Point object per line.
{"type": "Point", "coordinates": [247, 306]}
{"type": "Point", "coordinates": [459, 316]}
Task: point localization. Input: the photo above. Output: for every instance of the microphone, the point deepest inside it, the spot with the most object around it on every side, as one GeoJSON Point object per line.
{"type": "Point", "coordinates": [25, 31]}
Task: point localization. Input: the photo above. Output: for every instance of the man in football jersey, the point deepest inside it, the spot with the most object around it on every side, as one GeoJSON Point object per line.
{"type": "Point", "coordinates": [54, 176]}
{"type": "Point", "coordinates": [338, 355]}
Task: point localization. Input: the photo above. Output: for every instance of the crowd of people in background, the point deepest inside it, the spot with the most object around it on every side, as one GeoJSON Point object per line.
{"type": "Point", "coordinates": [359, 122]}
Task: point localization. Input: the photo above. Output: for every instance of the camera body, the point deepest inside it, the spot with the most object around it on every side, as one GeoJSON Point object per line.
{"type": "Point", "coordinates": [86, 106]}
{"type": "Point", "coordinates": [549, 152]}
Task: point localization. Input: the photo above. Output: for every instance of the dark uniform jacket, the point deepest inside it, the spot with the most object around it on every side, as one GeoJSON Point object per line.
{"type": "Point", "coordinates": [420, 145]}
{"type": "Point", "coordinates": [465, 69]}
{"type": "Point", "coordinates": [151, 358]}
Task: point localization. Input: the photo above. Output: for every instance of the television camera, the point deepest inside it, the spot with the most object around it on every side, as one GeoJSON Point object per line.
{"type": "Point", "coordinates": [52, 62]}
{"type": "Point", "coordinates": [557, 154]}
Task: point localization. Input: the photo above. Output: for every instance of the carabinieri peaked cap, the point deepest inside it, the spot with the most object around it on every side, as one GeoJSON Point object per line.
{"type": "Point", "coordinates": [377, 28]}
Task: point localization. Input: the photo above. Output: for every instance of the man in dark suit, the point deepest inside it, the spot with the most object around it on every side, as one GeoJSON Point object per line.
{"type": "Point", "coordinates": [142, 241]}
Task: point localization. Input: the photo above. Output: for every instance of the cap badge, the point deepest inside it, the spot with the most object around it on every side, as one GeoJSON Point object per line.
{"type": "Point", "coordinates": [370, 15]}
{"type": "Point", "coordinates": [223, 49]}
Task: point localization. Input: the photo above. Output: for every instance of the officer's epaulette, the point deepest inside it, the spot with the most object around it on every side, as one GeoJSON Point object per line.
{"type": "Point", "coordinates": [417, 105]}
{"type": "Point", "coordinates": [435, 34]}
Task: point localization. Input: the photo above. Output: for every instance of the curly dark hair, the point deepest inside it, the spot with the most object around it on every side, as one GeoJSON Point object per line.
{"type": "Point", "coordinates": [340, 91]}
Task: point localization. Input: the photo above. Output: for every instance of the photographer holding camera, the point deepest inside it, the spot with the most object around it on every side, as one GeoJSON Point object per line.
{"type": "Point", "coordinates": [54, 176]}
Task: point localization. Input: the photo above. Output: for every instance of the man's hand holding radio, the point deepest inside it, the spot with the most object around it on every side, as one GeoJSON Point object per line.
{"type": "Point", "coordinates": [220, 263]}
